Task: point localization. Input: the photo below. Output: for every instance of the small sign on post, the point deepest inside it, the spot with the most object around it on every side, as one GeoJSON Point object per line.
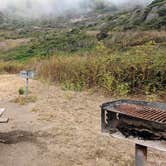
{"type": "Point", "coordinates": [29, 74]}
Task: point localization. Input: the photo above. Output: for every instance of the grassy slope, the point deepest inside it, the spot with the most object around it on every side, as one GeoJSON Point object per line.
{"type": "Point", "coordinates": [124, 63]}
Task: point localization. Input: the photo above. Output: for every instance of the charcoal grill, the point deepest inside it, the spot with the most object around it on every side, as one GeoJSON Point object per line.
{"type": "Point", "coordinates": [140, 121]}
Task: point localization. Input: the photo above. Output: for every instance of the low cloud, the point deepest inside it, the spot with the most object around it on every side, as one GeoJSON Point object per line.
{"type": "Point", "coordinates": [37, 8]}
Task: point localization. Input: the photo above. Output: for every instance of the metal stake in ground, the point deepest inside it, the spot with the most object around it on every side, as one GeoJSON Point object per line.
{"type": "Point", "coordinates": [27, 87]}
{"type": "Point", "coordinates": [27, 75]}
{"type": "Point", "coordinates": [140, 155]}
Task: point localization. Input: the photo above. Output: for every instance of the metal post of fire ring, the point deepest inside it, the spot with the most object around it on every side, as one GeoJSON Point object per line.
{"type": "Point", "coordinates": [27, 75]}
{"type": "Point", "coordinates": [140, 155]}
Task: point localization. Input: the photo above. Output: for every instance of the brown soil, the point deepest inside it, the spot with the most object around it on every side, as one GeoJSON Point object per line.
{"type": "Point", "coordinates": [62, 128]}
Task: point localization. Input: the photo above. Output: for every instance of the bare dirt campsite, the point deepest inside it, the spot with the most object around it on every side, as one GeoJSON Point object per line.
{"type": "Point", "coordinates": [59, 128]}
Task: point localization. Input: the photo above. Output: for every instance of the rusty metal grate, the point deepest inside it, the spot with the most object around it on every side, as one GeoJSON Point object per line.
{"type": "Point", "coordinates": [139, 119]}
{"type": "Point", "coordinates": [143, 112]}
{"type": "Point", "coordinates": [154, 112]}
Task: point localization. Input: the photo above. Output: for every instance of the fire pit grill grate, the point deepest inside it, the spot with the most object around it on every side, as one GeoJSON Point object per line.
{"type": "Point", "coordinates": [155, 112]}
{"type": "Point", "coordinates": [143, 112]}
{"type": "Point", "coordinates": [135, 118]}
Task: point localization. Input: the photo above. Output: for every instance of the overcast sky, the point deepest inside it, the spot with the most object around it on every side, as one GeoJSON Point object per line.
{"type": "Point", "coordinates": [43, 7]}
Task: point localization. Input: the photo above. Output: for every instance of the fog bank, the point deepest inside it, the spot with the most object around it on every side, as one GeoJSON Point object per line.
{"type": "Point", "coordinates": [37, 8]}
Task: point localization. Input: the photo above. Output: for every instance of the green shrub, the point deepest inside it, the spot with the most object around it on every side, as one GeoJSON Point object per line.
{"type": "Point", "coordinates": [137, 70]}
{"type": "Point", "coordinates": [21, 91]}
{"type": "Point", "coordinates": [123, 89]}
{"type": "Point", "coordinates": [72, 86]}
{"type": "Point", "coordinates": [108, 82]}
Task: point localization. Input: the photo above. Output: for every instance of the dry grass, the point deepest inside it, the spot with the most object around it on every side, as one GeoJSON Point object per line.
{"type": "Point", "coordinates": [9, 44]}
{"type": "Point", "coordinates": [10, 67]}
{"type": "Point", "coordinates": [24, 100]}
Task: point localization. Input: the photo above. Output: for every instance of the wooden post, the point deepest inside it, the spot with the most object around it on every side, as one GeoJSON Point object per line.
{"type": "Point", "coordinates": [140, 155]}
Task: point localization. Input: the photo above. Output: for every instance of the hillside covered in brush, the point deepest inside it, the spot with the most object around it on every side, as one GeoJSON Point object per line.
{"type": "Point", "coordinates": [151, 17]}
{"type": "Point", "coordinates": [117, 50]}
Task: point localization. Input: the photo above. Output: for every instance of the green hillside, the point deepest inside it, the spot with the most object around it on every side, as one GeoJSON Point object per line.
{"type": "Point", "coordinates": [118, 52]}
{"type": "Point", "coordinates": [151, 17]}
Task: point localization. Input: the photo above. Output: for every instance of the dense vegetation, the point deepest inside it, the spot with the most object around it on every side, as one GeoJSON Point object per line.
{"type": "Point", "coordinates": [138, 70]}
{"type": "Point", "coordinates": [117, 54]}
{"type": "Point", "coordinates": [151, 17]}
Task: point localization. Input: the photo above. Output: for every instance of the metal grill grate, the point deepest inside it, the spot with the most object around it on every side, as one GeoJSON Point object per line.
{"type": "Point", "coordinates": [143, 112]}
{"type": "Point", "coordinates": [139, 121]}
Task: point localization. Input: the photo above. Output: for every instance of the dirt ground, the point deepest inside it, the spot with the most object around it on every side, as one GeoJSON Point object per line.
{"type": "Point", "coordinates": [62, 128]}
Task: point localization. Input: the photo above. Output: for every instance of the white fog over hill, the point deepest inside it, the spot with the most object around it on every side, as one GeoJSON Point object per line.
{"type": "Point", "coordinates": [37, 8]}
